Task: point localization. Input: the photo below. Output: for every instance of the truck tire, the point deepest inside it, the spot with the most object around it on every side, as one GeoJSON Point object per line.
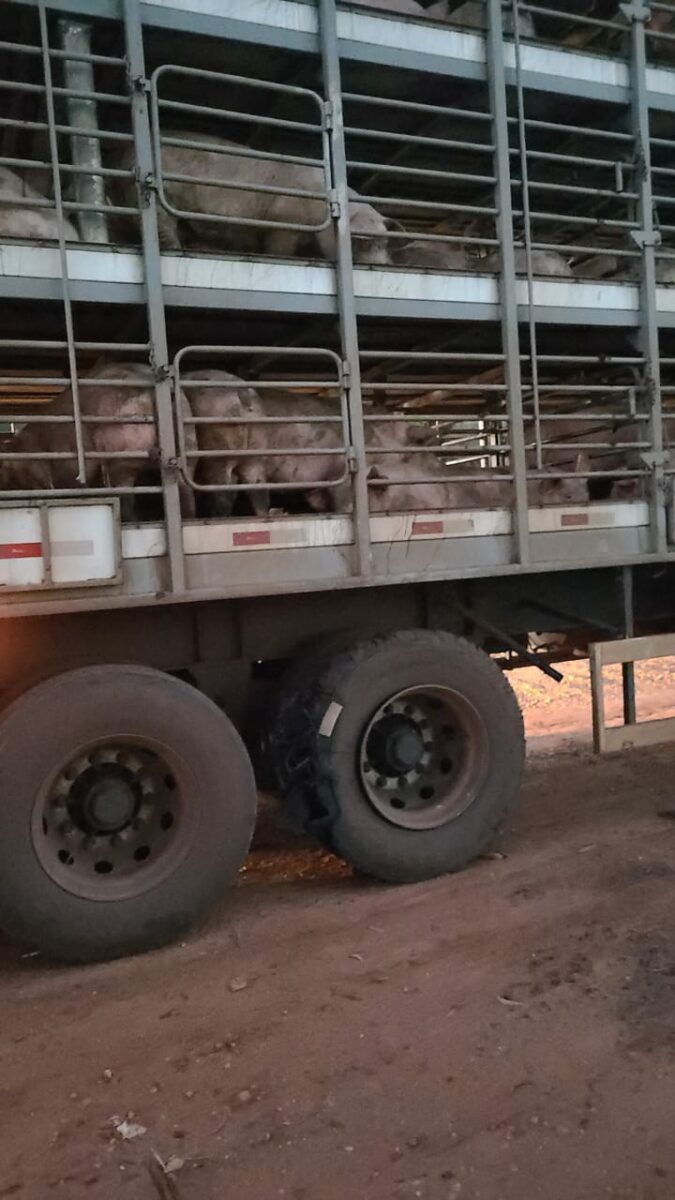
{"type": "Point", "coordinates": [409, 753]}
{"type": "Point", "coordinates": [277, 743]}
{"type": "Point", "coordinates": [127, 806]}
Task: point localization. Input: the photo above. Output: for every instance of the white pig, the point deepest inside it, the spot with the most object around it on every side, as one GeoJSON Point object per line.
{"type": "Point", "coordinates": [473, 15]}
{"type": "Point", "coordinates": [23, 221]}
{"type": "Point", "coordinates": [418, 483]}
{"type": "Point", "coordinates": [103, 439]}
{"type": "Point", "coordinates": [544, 262]}
{"type": "Point", "coordinates": [386, 441]}
{"type": "Point", "coordinates": [230, 400]}
{"type": "Point", "coordinates": [228, 161]}
{"type": "Point", "coordinates": [294, 426]}
{"type": "Point", "coordinates": [407, 8]}
{"type": "Point", "coordinates": [424, 255]}
{"type": "Point", "coordinates": [608, 266]}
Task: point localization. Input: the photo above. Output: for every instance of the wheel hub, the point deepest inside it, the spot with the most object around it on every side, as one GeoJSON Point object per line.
{"type": "Point", "coordinates": [420, 757]}
{"type": "Point", "coordinates": [109, 821]}
{"type": "Point", "coordinates": [105, 802]}
{"type": "Point", "coordinates": [396, 745]}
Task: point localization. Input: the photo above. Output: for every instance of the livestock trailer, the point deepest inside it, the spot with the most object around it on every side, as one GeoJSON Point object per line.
{"type": "Point", "coordinates": [458, 222]}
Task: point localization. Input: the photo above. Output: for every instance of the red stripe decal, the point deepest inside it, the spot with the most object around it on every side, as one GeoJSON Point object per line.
{"type": "Point", "coordinates": [252, 537]}
{"type": "Point", "coordinates": [568, 519]}
{"type": "Point", "coordinates": [21, 550]}
{"type": "Point", "coordinates": [420, 528]}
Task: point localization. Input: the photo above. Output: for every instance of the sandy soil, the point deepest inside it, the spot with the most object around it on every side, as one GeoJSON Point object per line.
{"type": "Point", "coordinates": [504, 1034]}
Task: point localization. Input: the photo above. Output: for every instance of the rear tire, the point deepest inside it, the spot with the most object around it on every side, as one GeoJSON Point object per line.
{"type": "Point", "coordinates": [127, 808]}
{"type": "Point", "coordinates": [276, 749]}
{"type": "Point", "coordinates": [408, 753]}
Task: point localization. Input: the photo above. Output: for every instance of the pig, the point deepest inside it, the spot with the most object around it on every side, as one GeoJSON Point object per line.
{"type": "Point", "coordinates": [405, 8]}
{"type": "Point", "coordinates": [665, 270]}
{"type": "Point", "coordinates": [544, 262]}
{"type": "Point", "coordinates": [386, 441]}
{"type": "Point", "coordinates": [424, 255]}
{"type": "Point", "coordinates": [661, 22]}
{"type": "Point", "coordinates": [23, 221]}
{"type": "Point", "coordinates": [614, 439]}
{"type": "Point", "coordinates": [473, 15]}
{"type": "Point", "coordinates": [296, 428]}
{"type": "Point", "coordinates": [226, 161]}
{"type": "Point", "coordinates": [418, 482]}
{"type": "Point", "coordinates": [233, 399]}
{"type": "Point", "coordinates": [369, 235]}
{"type": "Point", "coordinates": [572, 490]}
{"type": "Point", "coordinates": [598, 266]}
{"type": "Point", "coordinates": [105, 401]}
{"type": "Point", "coordinates": [403, 491]}
{"type": "Point", "coordinates": [611, 266]}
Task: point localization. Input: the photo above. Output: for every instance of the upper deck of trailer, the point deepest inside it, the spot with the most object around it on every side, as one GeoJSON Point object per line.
{"type": "Point", "coordinates": [384, 38]}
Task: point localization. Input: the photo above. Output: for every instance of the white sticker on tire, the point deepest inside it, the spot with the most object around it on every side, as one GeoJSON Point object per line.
{"type": "Point", "coordinates": [330, 719]}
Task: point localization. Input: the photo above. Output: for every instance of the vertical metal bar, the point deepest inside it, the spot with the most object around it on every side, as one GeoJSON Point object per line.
{"type": "Point", "coordinates": [637, 13]}
{"type": "Point", "coordinates": [527, 226]}
{"type": "Point", "coordinates": [82, 113]}
{"type": "Point", "coordinates": [345, 280]}
{"type": "Point", "coordinates": [507, 282]}
{"type": "Point", "coordinates": [63, 256]}
{"type": "Point", "coordinates": [597, 699]}
{"type": "Point", "coordinates": [628, 668]}
{"type": "Point", "coordinates": [46, 541]}
{"type": "Point", "coordinates": [159, 352]}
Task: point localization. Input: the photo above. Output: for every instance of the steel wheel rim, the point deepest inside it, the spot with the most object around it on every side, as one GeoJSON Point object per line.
{"type": "Point", "coordinates": [423, 757]}
{"type": "Point", "coordinates": [113, 821]}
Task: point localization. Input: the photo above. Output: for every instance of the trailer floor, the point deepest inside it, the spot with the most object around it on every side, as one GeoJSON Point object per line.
{"type": "Point", "coordinates": [508, 1033]}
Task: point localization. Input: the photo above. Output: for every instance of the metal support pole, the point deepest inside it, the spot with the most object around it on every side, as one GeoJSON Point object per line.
{"type": "Point", "coordinates": [628, 668]}
{"type": "Point", "coordinates": [507, 282]}
{"type": "Point", "coordinates": [159, 352]}
{"type": "Point", "coordinates": [647, 238]}
{"type": "Point", "coordinates": [345, 280]}
{"type": "Point", "coordinates": [527, 230]}
{"type": "Point", "coordinates": [63, 253]}
{"type": "Point", "coordinates": [82, 113]}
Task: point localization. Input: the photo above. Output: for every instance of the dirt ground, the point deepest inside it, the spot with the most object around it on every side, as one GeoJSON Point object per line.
{"type": "Point", "coordinates": [507, 1033]}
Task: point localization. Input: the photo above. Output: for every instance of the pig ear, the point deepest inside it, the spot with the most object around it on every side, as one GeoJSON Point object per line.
{"type": "Point", "coordinates": [582, 463]}
{"type": "Point", "coordinates": [375, 473]}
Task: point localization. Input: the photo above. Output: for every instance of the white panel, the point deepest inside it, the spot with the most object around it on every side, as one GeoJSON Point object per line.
{"type": "Point", "coordinates": [300, 17]}
{"type": "Point", "coordinates": [563, 518]}
{"type": "Point", "coordinates": [21, 562]}
{"type": "Point", "coordinates": [298, 278]}
{"type": "Point", "coordinates": [247, 275]}
{"type": "Point", "coordinates": [143, 541]}
{"type": "Point", "coordinates": [82, 542]}
{"type": "Point", "coordinates": [215, 537]}
{"type": "Point", "coordinates": [93, 266]}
